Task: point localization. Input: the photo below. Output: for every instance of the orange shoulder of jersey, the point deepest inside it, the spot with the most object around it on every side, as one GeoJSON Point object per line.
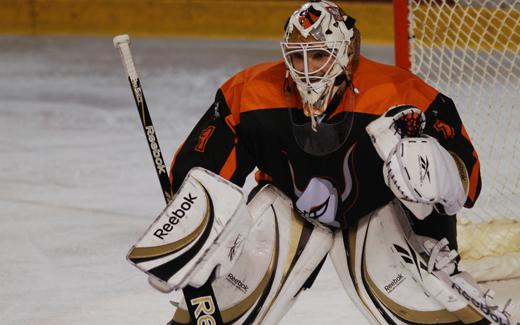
{"type": "Point", "coordinates": [258, 87]}
{"type": "Point", "coordinates": [382, 86]}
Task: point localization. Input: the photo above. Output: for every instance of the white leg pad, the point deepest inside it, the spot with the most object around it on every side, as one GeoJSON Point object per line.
{"type": "Point", "coordinates": [279, 255]}
{"type": "Point", "coordinates": [386, 270]}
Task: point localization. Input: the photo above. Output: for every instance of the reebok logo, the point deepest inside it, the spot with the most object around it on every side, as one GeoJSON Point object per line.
{"type": "Point", "coordinates": [237, 283]}
{"type": "Point", "coordinates": [216, 112]}
{"type": "Point", "coordinates": [136, 86]}
{"type": "Point", "coordinates": [159, 164]}
{"type": "Point", "coordinates": [411, 257]}
{"type": "Point", "coordinates": [479, 305]}
{"type": "Point", "coordinates": [204, 310]}
{"type": "Point", "coordinates": [233, 249]}
{"type": "Point", "coordinates": [424, 165]}
{"type": "Point", "coordinates": [395, 283]}
{"type": "Point", "coordinates": [176, 216]}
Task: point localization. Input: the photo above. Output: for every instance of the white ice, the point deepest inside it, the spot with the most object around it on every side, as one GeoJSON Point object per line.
{"type": "Point", "coordinates": [77, 184]}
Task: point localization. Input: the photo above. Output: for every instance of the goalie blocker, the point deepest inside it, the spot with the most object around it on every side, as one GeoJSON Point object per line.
{"type": "Point", "coordinates": [256, 257]}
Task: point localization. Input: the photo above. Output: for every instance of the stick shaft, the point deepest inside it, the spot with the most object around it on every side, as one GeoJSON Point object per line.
{"type": "Point", "coordinates": [122, 42]}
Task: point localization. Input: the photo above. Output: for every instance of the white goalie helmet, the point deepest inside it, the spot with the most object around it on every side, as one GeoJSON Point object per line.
{"type": "Point", "coordinates": [317, 48]}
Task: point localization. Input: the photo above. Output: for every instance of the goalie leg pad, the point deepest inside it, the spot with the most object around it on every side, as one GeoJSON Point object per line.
{"type": "Point", "coordinates": [376, 283]}
{"type": "Point", "coordinates": [279, 254]}
{"type": "Point", "coordinates": [389, 273]}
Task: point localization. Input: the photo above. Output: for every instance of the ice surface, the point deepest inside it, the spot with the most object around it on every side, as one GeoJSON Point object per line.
{"type": "Point", "coordinates": [78, 187]}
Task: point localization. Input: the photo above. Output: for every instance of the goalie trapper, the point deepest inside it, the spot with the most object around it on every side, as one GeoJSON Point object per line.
{"type": "Point", "coordinates": [418, 170]}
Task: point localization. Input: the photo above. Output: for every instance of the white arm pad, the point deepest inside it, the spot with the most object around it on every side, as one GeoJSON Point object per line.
{"type": "Point", "coordinates": [420, 170]}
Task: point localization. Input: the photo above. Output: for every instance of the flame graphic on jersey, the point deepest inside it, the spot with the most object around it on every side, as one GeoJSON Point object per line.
{"type": "Point", "coordinates": [347, 175]}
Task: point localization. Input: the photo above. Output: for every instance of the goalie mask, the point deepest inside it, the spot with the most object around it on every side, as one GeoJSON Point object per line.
{"type": "Point", "coordinates": [321, 50]}
{"type": "Point", "coordinates": [320, 44]}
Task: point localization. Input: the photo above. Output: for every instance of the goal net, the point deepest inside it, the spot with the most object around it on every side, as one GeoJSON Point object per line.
{"type": "Point", "coordinates": [469, 50]}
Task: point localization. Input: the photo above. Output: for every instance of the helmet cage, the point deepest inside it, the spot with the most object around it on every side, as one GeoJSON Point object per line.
{"type": "Point", "coordinates": [317, 26]}
{"type": "Point", "coordinates": [315, 85]}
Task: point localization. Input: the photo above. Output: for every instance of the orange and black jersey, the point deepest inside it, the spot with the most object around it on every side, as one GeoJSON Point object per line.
{"type": "Point", "coordinates": [249, 126]}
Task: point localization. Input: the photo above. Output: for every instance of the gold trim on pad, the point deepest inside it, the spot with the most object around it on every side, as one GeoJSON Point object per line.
{"type": "Point", "coordinates": [147, 252]}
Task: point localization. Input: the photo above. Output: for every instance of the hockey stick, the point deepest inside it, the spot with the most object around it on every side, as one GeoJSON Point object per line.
{"type": "Point", "coordinates": [122, 42]}
{"type": "Point", "coordinates": [192, 295]}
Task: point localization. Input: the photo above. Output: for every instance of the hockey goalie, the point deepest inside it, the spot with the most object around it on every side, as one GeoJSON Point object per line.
{"type": "Point", "coordinates": [357, 160]}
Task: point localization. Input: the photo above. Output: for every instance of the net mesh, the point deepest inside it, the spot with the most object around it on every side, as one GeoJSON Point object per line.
{"type": "Point", "coordinates": [469, 50]}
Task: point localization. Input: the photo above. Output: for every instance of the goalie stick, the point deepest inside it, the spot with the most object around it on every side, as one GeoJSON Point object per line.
{"type": "Point", "coordinates": [192, 295]}
{"type": "Point", "coordinates": [122, 42]}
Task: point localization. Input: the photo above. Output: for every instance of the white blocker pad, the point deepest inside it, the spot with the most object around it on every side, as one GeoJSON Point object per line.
{"type": "Point", "coordinates": [279, 255]}
{"type": "Point", "coordinates": [187, 241]}
{"type": "Point", "coordinates": [384, 268]}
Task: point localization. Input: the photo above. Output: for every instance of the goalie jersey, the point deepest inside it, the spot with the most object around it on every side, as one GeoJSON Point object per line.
{"type": "Point", "coordinates": [250, 125]}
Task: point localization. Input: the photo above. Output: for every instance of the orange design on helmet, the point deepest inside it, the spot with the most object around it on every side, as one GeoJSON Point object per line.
{"type": "Point", "coordinates": [309, 17]}
{"type": "Point", "coordinates": [336, 12]}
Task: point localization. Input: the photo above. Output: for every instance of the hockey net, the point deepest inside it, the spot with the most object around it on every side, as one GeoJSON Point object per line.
{"type": "Point", "coordinates": [469, 50]}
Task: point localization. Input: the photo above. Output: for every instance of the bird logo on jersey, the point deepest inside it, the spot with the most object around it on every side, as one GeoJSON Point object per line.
{"type": "Point", "coordinates": [319, 201]}
{"type": "Point", "coordinates": [321, 198]}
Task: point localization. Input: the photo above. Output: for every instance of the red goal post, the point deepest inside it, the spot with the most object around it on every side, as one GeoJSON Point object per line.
{"type": "Point", "coordinates": [401, 25]}
{"type": "Point", "coordinates": [470, 51]}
